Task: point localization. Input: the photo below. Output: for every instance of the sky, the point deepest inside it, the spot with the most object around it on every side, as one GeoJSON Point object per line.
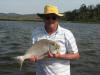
{"type": "Point", "coordinates": [37, 6]}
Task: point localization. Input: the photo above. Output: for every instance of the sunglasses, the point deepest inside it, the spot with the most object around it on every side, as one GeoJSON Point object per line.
{"type": "Point", "coordinates": [48, 17]}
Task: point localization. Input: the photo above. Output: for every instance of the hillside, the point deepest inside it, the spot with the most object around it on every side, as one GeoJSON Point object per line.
{"type": "Point", "coordinates": [14, 15]}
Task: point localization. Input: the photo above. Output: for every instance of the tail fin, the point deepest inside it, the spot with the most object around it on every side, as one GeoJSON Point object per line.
{"type": "Point", "coordinates": [21, 65]}
{"type": "Point", "coordinates": [21, 60]}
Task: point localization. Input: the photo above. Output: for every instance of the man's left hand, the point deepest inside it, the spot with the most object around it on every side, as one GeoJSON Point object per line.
{"type": "Point", "coordinates": [57, 55]}
{"type": "Point", "coordinates": [50, 55]}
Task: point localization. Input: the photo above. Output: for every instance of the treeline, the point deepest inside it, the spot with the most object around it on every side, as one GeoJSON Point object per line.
{"type": "Point", "coordinates": [84, 14]}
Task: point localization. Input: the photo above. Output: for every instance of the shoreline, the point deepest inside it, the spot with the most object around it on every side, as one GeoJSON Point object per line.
{"type": "Point", "coordinates": [81, 22]}
{"type": "Point", "coordinates": [40, 20]}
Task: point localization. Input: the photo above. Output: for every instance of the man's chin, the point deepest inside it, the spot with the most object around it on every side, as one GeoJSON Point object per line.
{"type": "Point", "coordinates": [51, 25]}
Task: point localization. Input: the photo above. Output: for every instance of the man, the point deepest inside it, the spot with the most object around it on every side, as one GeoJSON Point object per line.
{"type": "Point", "coordinates": [59, 63]}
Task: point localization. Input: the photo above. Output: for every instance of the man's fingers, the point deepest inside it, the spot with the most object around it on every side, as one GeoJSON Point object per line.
{"type": "Point", "coordinates": [58, 52]}
{"type": "Point", "coordinates": [50, 54]}
{"type": "Point", "coordinates": [36, 58]}
{"type": "Point", "coordinates": [33, 58]}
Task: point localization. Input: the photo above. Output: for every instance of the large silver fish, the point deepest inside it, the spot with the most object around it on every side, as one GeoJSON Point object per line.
{"type": "Point", "coordinates": [39, 49]}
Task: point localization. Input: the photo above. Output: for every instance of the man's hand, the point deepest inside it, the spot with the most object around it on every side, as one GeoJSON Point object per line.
{"type": "Point", "coordinates": [57, 55]}
{"type": "Point", "coordinates": [33, 58]}
{"type": "Point", "coordinates": [50, 55]}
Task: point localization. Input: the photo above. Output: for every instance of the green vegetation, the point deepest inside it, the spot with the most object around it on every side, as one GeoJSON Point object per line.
{"type": "Point", "coordinates": [89, 14]}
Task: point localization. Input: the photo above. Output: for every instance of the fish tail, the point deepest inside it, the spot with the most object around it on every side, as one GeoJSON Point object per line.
{"type": "Point", "coordinates": [21, 64]}
{"type": "Point", "coordinates": [21, 61]}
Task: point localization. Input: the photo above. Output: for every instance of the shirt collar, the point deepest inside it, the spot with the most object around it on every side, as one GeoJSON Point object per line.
{"type": "Point", "coordinates": [57, 31]}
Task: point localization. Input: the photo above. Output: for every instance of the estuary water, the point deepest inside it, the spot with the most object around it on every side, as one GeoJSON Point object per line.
{"type": "Point", "coordinates": [15, 39]}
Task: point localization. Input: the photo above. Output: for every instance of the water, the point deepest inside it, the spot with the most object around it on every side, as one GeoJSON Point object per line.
{"type": "Point", "coordinates": [15, 40]}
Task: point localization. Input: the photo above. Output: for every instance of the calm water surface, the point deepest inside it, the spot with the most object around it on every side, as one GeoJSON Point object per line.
{"type": "Point", "coordinates": [15, 40]}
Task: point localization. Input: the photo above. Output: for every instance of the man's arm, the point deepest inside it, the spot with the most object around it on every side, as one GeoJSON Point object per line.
{"type": "Point", "coordinates": [58, 55]}
{"type": "Point", "coordinates": [74, 56]}
{"type": "Point", "coordinates": [68, 56]}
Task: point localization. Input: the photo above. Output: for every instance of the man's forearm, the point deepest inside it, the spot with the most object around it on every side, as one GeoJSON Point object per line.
{"type": "Point", "coordinates": [69, 56]}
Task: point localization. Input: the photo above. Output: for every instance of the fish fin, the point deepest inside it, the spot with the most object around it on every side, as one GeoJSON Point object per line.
{"type": "Point", "coordinates": [20, 60]}
{"type": "Point", "coordinates": [21, 64]}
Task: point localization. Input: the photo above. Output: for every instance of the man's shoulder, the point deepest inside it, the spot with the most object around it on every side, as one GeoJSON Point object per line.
{"type": "Point", "coordinates": [65, 30]}
{"type": "Point", "coordinates": [67, 33]}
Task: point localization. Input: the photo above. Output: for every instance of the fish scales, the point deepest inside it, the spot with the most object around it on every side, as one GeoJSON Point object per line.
{"type": "Point", "coordinates": [38, 49]}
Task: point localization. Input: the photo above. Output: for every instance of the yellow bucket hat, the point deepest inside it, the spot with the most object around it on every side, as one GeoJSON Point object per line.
{"type": "Point", "coordinates": [49, 9]}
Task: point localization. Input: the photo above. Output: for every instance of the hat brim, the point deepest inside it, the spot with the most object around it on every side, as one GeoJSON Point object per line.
{"type": "Point", "coordinates": [42, 15]}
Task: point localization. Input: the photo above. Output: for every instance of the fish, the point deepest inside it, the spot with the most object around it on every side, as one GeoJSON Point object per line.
{"type": "Point", "coordinates": [39, 49]}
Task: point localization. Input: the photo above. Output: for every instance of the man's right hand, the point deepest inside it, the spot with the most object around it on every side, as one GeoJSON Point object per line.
{"type": "Point", "coordinates": [33, 58]}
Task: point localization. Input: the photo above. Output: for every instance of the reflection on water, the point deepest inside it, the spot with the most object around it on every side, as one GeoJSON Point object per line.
{"type": "Point", "coordinates": [15, 40]}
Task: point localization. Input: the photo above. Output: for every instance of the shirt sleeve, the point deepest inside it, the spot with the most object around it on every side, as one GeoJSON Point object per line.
{"type": "Point", "coordinates": [32, 39]}
{"type": "Point", "coordinates": [70, 42]}
{"type": "Point", "coordinates": [35, 35]}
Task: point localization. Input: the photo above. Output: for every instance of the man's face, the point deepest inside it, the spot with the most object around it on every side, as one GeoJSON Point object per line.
{"type": "Point", "coordinates": [51, 20]}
